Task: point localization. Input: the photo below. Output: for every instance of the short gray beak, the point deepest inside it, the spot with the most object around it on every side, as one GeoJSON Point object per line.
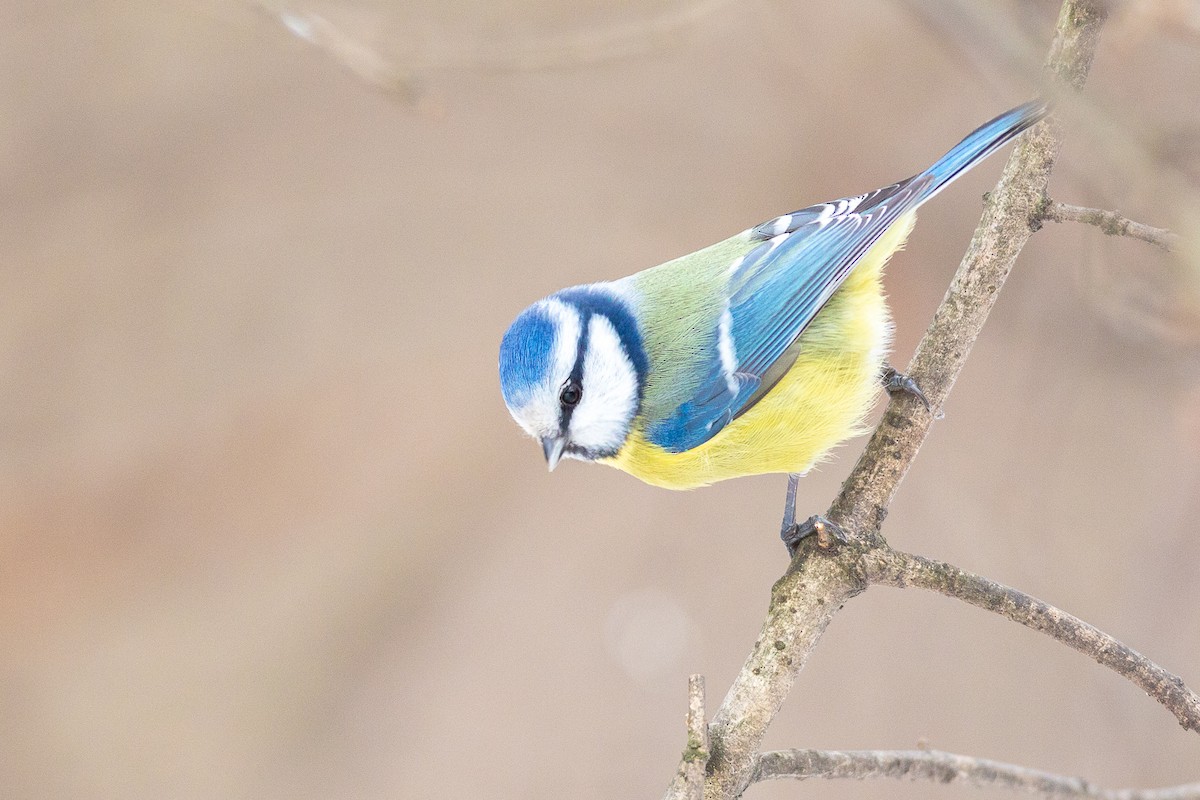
{"type": "Point", "coordinates": [553, 447]}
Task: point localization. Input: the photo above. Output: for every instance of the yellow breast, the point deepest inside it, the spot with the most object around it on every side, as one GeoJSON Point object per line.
{"type": "Point", "coordinates": [821, 401]}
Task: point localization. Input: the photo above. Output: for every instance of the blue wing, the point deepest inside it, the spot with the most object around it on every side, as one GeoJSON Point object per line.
{"type": "Point", "coordinates": [774, 291]}
{"type": "Point", "coordinates": [784, 280]}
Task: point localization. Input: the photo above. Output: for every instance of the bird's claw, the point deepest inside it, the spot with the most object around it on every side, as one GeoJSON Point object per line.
{"type": "Point", "coordinates": [895, 381]}
{"type": "Point", "coordinates": [816, 525]}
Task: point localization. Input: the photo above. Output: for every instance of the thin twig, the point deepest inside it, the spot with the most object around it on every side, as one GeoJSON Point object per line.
{"type": "Point", "coordinates": [940, 767]}
{"type": "Point", "coordinates": [1110, 222]}
{"type": "Point", "coordinates": [690, 779]}
{"type": "Point", "coordinates": [888, 567]}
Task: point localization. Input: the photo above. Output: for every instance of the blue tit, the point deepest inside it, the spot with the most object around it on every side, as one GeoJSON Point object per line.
{"type": "Point", "coordinates": [758, 354]}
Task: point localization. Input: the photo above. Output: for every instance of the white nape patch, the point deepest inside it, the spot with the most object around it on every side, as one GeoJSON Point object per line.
{"type": "Point", "coordinates": [781, 224]}
{"type": "Point", "coordinates": [621, 289]}
{"type": "Point", "coordinates": [538, 414]}
{"type": "Point", "coordinates": [601, 420]}
{"type": "Point", "coordinates": [727, 351]}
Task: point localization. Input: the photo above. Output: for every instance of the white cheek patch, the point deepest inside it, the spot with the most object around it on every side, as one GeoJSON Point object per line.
{"type": "Point", "coordinates": [610, 391]}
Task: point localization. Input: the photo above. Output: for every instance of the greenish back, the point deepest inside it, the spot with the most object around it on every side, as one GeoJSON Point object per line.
{"type": "Point", "coordinates": [679, 314]}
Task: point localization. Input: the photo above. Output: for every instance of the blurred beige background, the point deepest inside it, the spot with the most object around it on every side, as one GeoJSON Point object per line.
{"type": "Point", "coordinates": [267, 531]}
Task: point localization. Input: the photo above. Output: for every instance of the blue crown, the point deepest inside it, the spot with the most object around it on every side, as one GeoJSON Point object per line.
{"type": "Point", "coordinates": [525, 354]}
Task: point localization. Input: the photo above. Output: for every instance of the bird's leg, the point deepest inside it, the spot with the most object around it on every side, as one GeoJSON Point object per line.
{"type": "Point", "coordinates": [896, 381]}
{"type": "Point", "coordinates": [792, 534]}
{"type": "Point", "coordinates": [789, 509]}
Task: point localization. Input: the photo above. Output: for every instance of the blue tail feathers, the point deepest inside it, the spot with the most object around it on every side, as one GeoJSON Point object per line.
{"type": "Point", "coordinates": [981, 143]}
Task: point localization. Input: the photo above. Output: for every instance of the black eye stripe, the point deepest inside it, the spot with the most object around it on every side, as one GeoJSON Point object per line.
{"type": "Point", "coordinates": [575, 380]}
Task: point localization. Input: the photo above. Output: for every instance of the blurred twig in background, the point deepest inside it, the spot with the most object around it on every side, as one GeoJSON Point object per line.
{"type": "Point", "coordinates": [351, 50]}
{"type": "Point", "coordinates": [402, 76]}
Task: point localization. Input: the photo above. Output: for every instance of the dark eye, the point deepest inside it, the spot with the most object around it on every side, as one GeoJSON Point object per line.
{"type": "Point", "coordinates": [571, 394]}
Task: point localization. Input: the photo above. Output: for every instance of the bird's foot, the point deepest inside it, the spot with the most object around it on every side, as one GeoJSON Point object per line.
{"type": "Point", "coordinates": [792, 534]}
{"type": "Point", "coordinates": [895, 381]}
{"type": "Point", "coordinates": [816, 525]}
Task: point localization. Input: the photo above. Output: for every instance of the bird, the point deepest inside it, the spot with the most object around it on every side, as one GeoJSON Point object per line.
{"type": "Point", "coordinates": [758, 354]}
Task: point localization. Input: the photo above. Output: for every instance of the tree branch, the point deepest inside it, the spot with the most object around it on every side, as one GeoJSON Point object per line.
{"type": "Point", "coordinates": [803, 602]}
{"type": "Point", "coordinates": [888, 567]}
{"type": "Point", "coordinates": [814, 588]}
{"type": "Point", "coordinates": [940, 767]}
{"type": "Point", "coordinates": [1110, 222]}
